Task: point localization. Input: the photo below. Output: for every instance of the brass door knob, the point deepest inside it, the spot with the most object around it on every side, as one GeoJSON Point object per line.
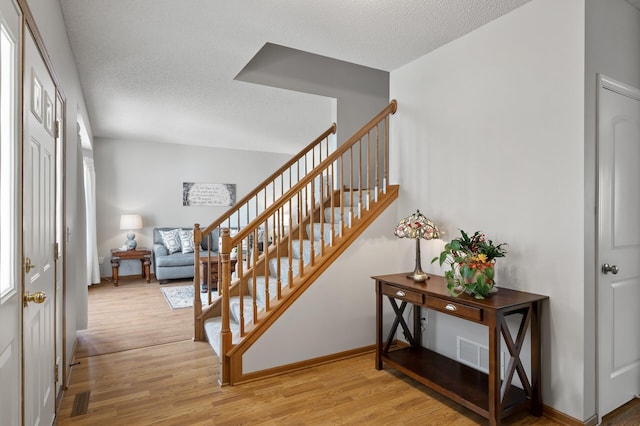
{"type": "Point", "coordinates": [37, 297]}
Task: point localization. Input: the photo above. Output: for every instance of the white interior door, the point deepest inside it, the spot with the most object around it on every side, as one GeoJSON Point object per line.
{"type": "Point", "coordinates": [59, 252]}
{"type": "Point", "coordinates": [618, 289]}
{"type": "Point", "coordinates": [39, 238]}
{"type": "Point", "coordinates": [10, 214]}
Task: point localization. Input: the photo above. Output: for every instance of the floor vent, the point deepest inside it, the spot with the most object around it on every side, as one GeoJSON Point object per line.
{"type": "Point", "coordinates": [80, 404]}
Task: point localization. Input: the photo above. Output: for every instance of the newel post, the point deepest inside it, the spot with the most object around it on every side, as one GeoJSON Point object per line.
{"type": "Point", "coordinates": [226, 337]}
{"type": "Point", "coordinates": [198, 332]}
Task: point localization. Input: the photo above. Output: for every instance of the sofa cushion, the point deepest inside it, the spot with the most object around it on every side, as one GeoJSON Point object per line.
{"type": "Point", "coordinates": [176, 259]}
{"type": "Point", "coordinates": [171, 240]}
{"type": "Point", "coordinates": [186, 240]}
{"type": "Point", "coordinates": [214, 241]}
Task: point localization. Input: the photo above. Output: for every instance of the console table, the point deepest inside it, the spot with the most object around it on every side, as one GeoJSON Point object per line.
{"type": "Point", "coordinates": [485, 394]}
{"type": "Point", "coordinates": [141, 254]}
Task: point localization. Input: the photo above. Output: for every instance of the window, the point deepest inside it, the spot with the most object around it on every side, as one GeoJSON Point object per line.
{"type": "Point", "coordinates": [8, 168]}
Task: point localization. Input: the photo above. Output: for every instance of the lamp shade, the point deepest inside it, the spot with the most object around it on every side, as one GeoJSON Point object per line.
{"type": "Point", "coordinates": [130, 221]}
{"type": "Point", "coordinates": [417, 226]}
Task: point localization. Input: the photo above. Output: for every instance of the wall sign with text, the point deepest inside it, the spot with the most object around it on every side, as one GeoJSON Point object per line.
{"type": "Point", "coordinates": [208, 194]}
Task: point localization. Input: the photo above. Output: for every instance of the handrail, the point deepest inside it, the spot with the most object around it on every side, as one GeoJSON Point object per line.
{"type": "Point", "coordinates": [309, 148]}
{"type": "Point", "coordinates": [338, 153]}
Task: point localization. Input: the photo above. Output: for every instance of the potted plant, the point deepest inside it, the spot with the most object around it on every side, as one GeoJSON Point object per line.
{"type": "Point", "coordinates": [471, 260]}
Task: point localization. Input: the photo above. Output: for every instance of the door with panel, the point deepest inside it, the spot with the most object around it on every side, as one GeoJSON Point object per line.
{"type": "Point", "coordinates": [618, 288]}
{"type": "Point", "coordinates": [39, 167]}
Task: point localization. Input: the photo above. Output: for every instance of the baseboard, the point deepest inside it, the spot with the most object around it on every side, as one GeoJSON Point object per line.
{"type": "Point", "coordinates": [72, 362]}
{"type": "Point", "coordinates": [560, 417]}
{"type": "Point", "coordinates": [314, 362]}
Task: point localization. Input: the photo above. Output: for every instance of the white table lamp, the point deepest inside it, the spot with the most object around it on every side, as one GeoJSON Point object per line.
{"type": "Point", "coordinates": [131, 222]}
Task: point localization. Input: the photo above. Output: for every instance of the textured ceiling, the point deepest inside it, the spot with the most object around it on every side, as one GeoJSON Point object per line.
{"type": "Point", "coordinates": [635, 3]}
{"type": "Point", "coordinates": [163, 70]}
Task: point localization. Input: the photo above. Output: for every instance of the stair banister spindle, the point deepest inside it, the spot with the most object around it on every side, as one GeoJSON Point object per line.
{"type": "Point", "coordinates": [321, 214]}
{"type": "Point", "coordinates": [359, 180]}
{"type": "Point", "coordinates": [377, 167]}
{"type": "Point", "coordinates": [267, 274]}
{"type": "Point", "coordinates": [278, 239]}
{"type": "Point", "coordinates": [225, 334]}
{"type": "Point", "coordinates": [341, 200]}
{"type": "Point", "coordinates": [311, 225]}
{"type": "Point", "coordinates": [351, 186]}
{"type": "Point", "coordinates": [240, 262]}
{"type": "Point", "coordinates": [386, 158]}
{"type": "Point", "coordinates": [290, 244]}
{"type": "Point", "coordinates": [300, 229]}
{"type": "Point", "coordinates": [197, 302]}
{"type": "Point", "coordinates": [332, 205]}
{"type": "Point", "coordinates": [368, 170]}
{"type": "Point", "coordinates": [241, 303]}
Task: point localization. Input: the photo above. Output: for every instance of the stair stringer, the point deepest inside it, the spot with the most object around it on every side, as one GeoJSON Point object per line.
{"type": "Point", "coordinates": [236, 355]}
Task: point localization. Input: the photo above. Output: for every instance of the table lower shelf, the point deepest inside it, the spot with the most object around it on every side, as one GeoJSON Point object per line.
{"type": "Point", "coordinates": [465, 385]}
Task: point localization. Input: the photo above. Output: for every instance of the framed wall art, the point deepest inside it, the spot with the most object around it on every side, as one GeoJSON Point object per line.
{"type": "Point", "coordinates": [208, 194]}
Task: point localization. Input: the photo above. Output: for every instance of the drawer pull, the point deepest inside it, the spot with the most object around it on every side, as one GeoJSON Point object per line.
{"type": "Point", "coordinates": [450, 307]}
{"type": "Point", "coordinates": [400, 293]}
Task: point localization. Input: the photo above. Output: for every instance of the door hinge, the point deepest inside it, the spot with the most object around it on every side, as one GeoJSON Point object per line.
{"type": "Point", "coordinates": [55, 372]}
{"type": "Point", "coordinates": [57, 129]}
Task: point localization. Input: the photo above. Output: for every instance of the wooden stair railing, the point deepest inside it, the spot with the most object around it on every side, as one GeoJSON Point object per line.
{"type": "Point", "coordinates": [251, 206]}
{"type": "Point", "coordinates": [302, 231]}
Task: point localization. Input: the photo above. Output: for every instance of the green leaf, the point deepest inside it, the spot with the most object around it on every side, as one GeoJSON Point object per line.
{"type": "Point", "coordinates": [489, 272]}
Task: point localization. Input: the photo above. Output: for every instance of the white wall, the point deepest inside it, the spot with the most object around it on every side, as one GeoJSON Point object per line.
{"type": "Point", "coordinates": [146, 178]}
{"type": "Point", "coordinates": [612, 48]}
{"type": "Point", "coordinates": [48, 17]}
{"type": "Point", "coordinates": [489, 136]}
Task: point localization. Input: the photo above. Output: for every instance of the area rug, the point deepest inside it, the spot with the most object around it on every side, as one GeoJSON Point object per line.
{"type": "Point", "coordinates": [181, 296]}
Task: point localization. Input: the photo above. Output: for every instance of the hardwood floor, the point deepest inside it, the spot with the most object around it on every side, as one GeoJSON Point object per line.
{"type": "Point", "coordinates": [175, 383]}
{"type": "Point", "coordinates": [129, 316]}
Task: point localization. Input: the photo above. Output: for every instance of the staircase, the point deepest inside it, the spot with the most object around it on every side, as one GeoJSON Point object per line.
{"type": "Point", "coordinates": [286, 233]}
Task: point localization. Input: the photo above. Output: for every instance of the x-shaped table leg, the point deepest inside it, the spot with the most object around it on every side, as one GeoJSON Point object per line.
{"type": "Point", "coordinates": [398, 321]}
{"type": "Point", "coordinates": [515, 364]}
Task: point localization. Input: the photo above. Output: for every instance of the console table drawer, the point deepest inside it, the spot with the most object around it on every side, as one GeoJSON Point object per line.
{"type": "Point", "coordinates": [454, 308]}
{"type": "Point", "coordinates": [402, 294]}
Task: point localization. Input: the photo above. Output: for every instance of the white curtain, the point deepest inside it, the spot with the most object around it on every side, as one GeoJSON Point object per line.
{"type": "Point", "coordinates": [93, 267]}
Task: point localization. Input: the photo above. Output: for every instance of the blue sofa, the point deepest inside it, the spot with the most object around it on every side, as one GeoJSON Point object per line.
{"type": "Point", "coordinates": [176, 265]}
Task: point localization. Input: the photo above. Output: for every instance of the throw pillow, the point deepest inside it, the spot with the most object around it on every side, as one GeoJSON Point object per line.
{"type": "Point", "coordinates": [186, 240]}
{"type": "Point", "coordinates": [171, 240]}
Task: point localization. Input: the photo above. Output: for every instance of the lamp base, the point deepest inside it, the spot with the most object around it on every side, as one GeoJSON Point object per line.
{"type": "Point", "coordinates": [418, 276]}
{"type": "Point", "coordinates": [131, 242]}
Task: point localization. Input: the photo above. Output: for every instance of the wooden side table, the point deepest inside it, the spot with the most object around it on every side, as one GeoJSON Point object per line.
{"type": "Point", "coordinates": [209, 268]}
{"type": "Point", "coordinates": [489, 395]}
{"type": "Point", "coordinates": [141, 254]}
